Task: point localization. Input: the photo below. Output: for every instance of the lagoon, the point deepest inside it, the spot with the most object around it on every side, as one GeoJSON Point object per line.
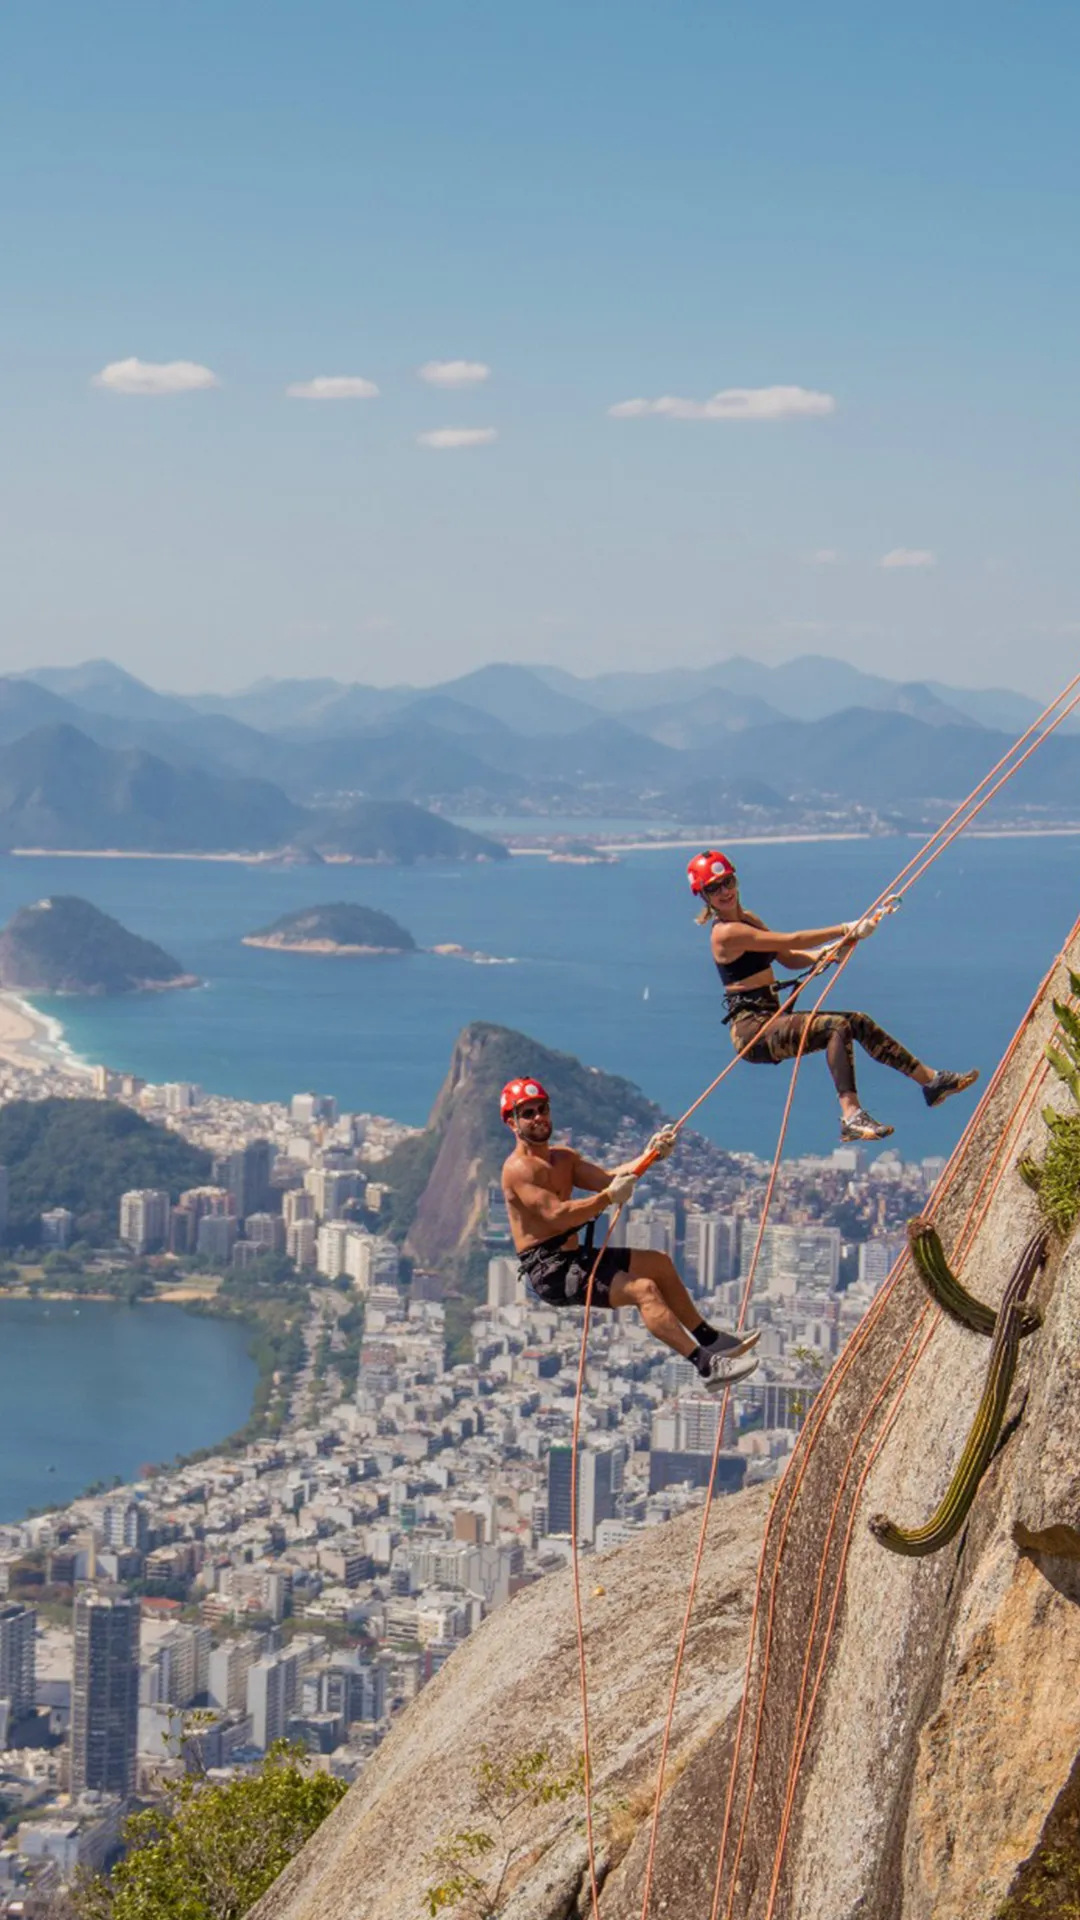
{"type": "Point", "coordinates": [90, 1390]}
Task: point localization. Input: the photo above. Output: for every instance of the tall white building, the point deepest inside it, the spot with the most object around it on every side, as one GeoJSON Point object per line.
{"type": "Point", "coordinates": [710, 1250]}
{"type": "Point", "coordinates": [330, 1187]}
{"type": "Point", "coordinates": [800, 1258]}
{"type": "Point", "coordinates": [651, 1227]}
{"type": "Point", "coordinates": [18, 1625]}
{"type": "Point", "coordinates": [502, 1282]}
{"type": "Point", "coordinates": [144, 1219]}
{"type": "Point", "coordinates": [300, 1243]}
{"type": "Point", "coordinates": [330, 1245]}
{"type": "Point", "coordinates": [878, 1257]}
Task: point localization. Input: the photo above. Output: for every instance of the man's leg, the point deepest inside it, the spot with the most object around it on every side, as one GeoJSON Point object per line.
{"type": "Point", "coordinates": [643, 1292]}
{"type": "Point", "coordinates": [655, 1270]}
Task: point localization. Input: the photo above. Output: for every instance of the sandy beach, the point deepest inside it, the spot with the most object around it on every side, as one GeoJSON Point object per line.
{"type": "Point", "coordinates": [31, 1041]}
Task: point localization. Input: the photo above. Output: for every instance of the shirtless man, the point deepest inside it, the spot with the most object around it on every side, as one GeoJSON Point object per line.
{"type": "Point", "coordinates": [538, 1182]}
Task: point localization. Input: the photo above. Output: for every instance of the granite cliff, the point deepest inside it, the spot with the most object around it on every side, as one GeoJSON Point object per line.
{"type": "Point", "coordinates": [440, 1177]}
{"type": "Point", "coordinates": [911, 1739]}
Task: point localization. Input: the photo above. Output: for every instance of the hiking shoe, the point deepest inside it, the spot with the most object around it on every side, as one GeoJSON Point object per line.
{"type": "Point", "coordinates": [944, 1084]}
{"type": "Point", "coordinates": [731, 1345]}
{"type": "Point", "coordinates": [861, 1126]}
{"type": "Point", "coordinates": [726, 1370]}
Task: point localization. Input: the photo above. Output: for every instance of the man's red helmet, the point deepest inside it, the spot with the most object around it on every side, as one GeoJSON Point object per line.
{"type": "Point", "coordinates": [705, 869]}
{"type": "Point", "coordinates": [517, 1090]}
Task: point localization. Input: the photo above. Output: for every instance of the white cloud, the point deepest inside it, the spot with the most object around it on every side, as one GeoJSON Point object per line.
{"type": "Point", "coordinates": [333, 386]}
{"type": "Point", "coordinates": [735, 403]}
{"type": "Point", "coordinates": [453, 373]}
{"type": "Point", "coordinates": [153, 377]}
{"type": "Point", "coordinates": [458, 437]}
{"type": "Point", "coordinates": [824, 557]}
{"type": "Point", "coordinates": [908, 557]}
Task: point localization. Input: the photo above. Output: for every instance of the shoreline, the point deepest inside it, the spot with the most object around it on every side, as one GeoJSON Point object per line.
{"type": "Point", "coordinates": [35, 1041]}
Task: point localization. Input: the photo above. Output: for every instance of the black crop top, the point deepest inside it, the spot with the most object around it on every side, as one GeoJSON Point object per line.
{"type": "Point", "coordinates": [731, 971]}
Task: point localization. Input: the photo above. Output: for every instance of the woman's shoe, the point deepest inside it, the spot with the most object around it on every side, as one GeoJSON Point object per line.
{"type": "Point", "coordinates": [944, 1084]}
{"type": "Point", "coordinates": [861, 1126]}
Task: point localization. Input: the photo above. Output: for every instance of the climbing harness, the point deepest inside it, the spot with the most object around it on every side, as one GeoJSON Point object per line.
{"type": "Point", "coordinates": [886, 902]}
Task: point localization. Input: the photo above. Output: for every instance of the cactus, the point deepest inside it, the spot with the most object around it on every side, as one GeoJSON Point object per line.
{"type": "Point", "coordinates": [946, 1523]}
{"type": "Point", "coordinates": [948, 1292]}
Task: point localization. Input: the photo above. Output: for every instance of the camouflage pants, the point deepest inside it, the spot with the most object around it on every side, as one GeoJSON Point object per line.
{"type": "Point", "coordinates": [832, 1034]}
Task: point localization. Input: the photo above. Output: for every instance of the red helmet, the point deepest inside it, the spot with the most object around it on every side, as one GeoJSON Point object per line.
{"type": "Point", "coordinates": [706, 868]}
{"type": "Point", "coordinates": [516, 1091]}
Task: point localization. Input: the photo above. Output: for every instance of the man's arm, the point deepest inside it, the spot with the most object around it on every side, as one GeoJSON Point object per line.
{"type": "Point", "coordinates": [592, 1178]}
{"type": "Point", "coordinates": [562, 1216]}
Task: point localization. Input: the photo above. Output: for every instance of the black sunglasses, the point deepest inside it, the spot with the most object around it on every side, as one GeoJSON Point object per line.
{"type": "Point", "coordinates": [533, 1112]}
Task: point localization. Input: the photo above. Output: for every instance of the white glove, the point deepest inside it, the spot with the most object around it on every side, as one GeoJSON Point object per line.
{"type": "Point", "coordinates": [618, 1192]}
{"type": "Point", "coordinates": [663, 1143]}
{"type": "Point", "coordinates": [862, 929]}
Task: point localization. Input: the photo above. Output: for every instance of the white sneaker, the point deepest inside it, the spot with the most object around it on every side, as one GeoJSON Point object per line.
{"type": "Point", "coordinates": [726, 1371]}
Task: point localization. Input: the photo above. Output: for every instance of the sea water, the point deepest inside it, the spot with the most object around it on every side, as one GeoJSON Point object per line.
{"type": "Point", "coordinates": [607, 964]}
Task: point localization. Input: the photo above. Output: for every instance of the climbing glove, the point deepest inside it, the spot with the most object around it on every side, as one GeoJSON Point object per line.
{"type": "Point", "coordinates": [862, 929]}
{"type": "Point", "coordinates": [662, 1144]}
{"type": "Point", "coordinates": [618, 1191]}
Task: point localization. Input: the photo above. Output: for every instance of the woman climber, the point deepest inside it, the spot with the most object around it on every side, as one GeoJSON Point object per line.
{"type": "Point", "coordinates": [744, 950]}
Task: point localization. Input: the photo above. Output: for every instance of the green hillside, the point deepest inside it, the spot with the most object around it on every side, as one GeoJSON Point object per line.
{"type": "Point", "coordinates": [83, 1154]}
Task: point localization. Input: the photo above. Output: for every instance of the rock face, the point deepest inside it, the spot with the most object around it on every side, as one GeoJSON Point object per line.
{"type": "Point", "coordinates": [447, 1170]}
{"type": "Point", "coordinates": [66, 945]}
{"type": "Point", "coordinates": [909, 1746]}
{"type": "Point", "coordinates": [514, 1686]}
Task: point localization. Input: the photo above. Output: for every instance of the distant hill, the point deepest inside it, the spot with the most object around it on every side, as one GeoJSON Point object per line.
{"type": "Point", "coordinates": [341, 927]}
{"type": "Point", "coordinates": [59, 789]}
{"type": "Point", "coordinates": [439, 1178]}
{"type": "Point", "coordinates": [392, 830]}
{"type": "Point", "coordinates": [66, 945]}
{"type": "Point", "coordinates": [84, 1154]}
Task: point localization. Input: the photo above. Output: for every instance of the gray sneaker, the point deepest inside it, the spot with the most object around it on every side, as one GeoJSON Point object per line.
{"type": "Point", "coordinates": [726, 1371]}
{"type": "Point", "coordinates": [944, 1084]}
{"type": "Point", "coordinates": [731, 1345]}
{"type": "Point", "coordinates": [862, 1126]}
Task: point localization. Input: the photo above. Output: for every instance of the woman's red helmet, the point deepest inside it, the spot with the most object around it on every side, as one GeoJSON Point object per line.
{"type": "Point", "coordinates": [705, 869]}
{"type": "Point", "coordinates": [517, 1090]}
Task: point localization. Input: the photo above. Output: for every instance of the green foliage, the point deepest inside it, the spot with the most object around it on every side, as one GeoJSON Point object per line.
{"type": "Point", "coordinates": [67, 945]}
{"type": "Point", "coordinates": [1056, 1178]}
{"type": "Point", "coordinates": [506, 1792]}
{"type": "Point", "coordinates": [83, 1154]}
{"type": "Point", "coordinates": [406, 1172]}
{"type": "Point", "coordinates": [343, 922]}
{"type": "Point", "coordinates": [209, 1852]}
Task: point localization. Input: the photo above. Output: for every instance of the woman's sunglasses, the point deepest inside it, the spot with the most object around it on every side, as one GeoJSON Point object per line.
{"type": "Point", "coordinates": [727, 885]}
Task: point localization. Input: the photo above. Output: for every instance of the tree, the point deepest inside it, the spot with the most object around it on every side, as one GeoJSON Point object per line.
{"type": "Point", "coordinates": [471, 1864]}
{"type": "Point", "coordinates": [208, 1852]}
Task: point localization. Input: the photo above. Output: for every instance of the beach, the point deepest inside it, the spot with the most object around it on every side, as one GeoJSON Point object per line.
{"type": "Point", "coordinates": [34, 1043]}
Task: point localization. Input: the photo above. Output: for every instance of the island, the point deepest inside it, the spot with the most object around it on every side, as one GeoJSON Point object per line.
{"type": "Point", "coordinates": [341, 927]}
{"type": "Point", "coordinates": [67, 945]}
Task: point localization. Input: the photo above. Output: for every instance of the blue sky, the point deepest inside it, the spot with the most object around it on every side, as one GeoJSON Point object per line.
{"type": "Point", "coordinates": [598, 203]}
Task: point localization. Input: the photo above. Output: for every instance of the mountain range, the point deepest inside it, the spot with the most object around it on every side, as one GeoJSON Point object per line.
{"type": "Point", "coordinates": [91, 756]}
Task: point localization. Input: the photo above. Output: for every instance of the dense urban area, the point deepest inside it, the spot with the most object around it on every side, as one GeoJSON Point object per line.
{"type": "Point", "coordinates": [407, 1466]}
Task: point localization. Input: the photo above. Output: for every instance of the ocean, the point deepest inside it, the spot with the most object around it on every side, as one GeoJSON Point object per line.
{"type": "Point", "coordinates": [607, 964]}
{"type": "Point", "coordinates": [91, 1390]}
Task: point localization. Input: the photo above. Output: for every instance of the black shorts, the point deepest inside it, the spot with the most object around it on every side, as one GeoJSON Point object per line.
{"type": "Point", "coordinates": [559, 1276]}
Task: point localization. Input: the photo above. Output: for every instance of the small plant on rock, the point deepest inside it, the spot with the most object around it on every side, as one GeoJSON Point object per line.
{"type": "Point", "coordinates": [1056, 1177]}
{"type": "Point", "coordinates": [471, 1866]}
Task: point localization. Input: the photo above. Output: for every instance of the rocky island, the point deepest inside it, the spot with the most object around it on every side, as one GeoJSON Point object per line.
{"type": "Point", "coordinates": [341, 927]}
{"type": "Point", "coordinates": [66, 945]}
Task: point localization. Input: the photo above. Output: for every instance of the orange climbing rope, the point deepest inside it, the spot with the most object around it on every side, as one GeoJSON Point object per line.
{"type": "Point", "coordinates": [1001, 1160]}
{"type": "Point", "coordinates": [955, 824]}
